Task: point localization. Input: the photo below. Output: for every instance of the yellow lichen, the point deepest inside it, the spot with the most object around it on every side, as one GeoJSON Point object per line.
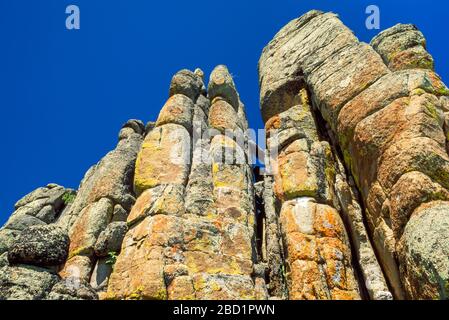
{"type": "Point", "coordinates": [80, 251]}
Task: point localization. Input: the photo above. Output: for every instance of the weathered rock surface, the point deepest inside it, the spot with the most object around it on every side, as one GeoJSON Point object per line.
{"type": "Point", "coordinates": [191, 229]}
{"type": "Point", "coordinates": [384, 109]}
{"type": "Point", "coordinates": [25, 283]}
{"type": "Point", "coordinates": [72, 289]}
{"type": "Point", "coordinates": [403, 47]}
{"type": "Point", "coordinates": [424, 251]}
{"type": "Point", "coordinates": [41, 246]}
{"type": "Point", "coordinates": [352, 201]}
{"type": "Point", "coordinates": [316, 249]}
{"type": "Point", "coordinates": [110, 240]}
{"type": "Point", "coordinates": [40, 207]}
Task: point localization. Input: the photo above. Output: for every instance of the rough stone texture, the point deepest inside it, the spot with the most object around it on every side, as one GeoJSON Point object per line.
{"type": "Point", "coordinates": [40, 246]}
{"type": "Point", "coordinates": [275, 258]}
{"type": "Point", "coordinates": [25, 283]}
{"type": "Point", "coordinates": [316, 249]}
{"type": "Point", "coordinates": [101, 274]}
{"type": "Point", "coordinates": [164, 158]}
{"type": "Point", "coordinates": [177, 110]}
{"type": "Point", "coordinates": [106, 193]}
{"type": "Point", "coordinates": [424, 244]}
{"type": "Point", "coordinates": [318, 252]}
{"type": "Point", "coordinates": [352, 214]}
{"type": "Point", "coordinates": [110, 240]}
{"type": "Point", "coordinates": [40, 207]}
{"type": "Point", "coordinates": [403, 47]}
{"type": "Point", "coordinates": [72, 289]}
{"type": "Point", "coordinates": [386, 115]}
{"type": "Point", "coordinates": [191, 229]}
{"type": "Point", "coordinates": [352, 201]}
{"type": "Point", "coordinates": [222, 85]}
{"type": "Point", "coordinates": [187, 83]}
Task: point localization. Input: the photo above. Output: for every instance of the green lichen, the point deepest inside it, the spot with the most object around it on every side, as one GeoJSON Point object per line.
{"type": "Point", "coordinates": [443, 91]}
{"type": "Point", "coordinates": [418, 92]}
{"type": "Point", "coordinates": [68, 197]}
{"type": "Point", "coordinates": [137, 294]}
{"type": "Point", "coordinates": [347, 158]}
{"type": "Point", "coordinates": [304, 191]}
{"type": "Point", "coordinates": [161, 295]}
{"type": "Point", "coordinates": [80, 251]}
{"type": "Point", "coordinates": [330, 173]}
{"type": "Point", "coordinates": [425, 64]}
{"type": "Point", "coordinates": [432, 110]}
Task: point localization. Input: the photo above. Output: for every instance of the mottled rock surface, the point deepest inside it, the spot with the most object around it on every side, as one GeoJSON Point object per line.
{"type": "Point", "coordinates": [41, 246]}
{"type": "Point", "coordinates": [72, 289]}
{"type": "Point", "coordinates": [40, 207]}
{"type": "Point", "coordinates": [382, 107]}
{"type": "Point", "coordinates": [191, 229]}
{"type": "Point", "coordinates": [25, 282]}
{"type": "Point", "coordinates": [352, 201]}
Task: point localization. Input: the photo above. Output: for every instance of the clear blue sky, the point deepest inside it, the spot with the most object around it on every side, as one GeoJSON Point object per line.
{"type": "Point", "coordinates": [64, 94]}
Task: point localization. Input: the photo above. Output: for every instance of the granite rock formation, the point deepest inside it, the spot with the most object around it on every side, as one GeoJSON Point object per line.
{"type": "Point", "coordinates": [352, 201]}
{"type": "Point", "coordinates": [382, 108]}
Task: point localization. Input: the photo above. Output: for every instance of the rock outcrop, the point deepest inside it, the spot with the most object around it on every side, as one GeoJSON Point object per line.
{"type": "Point", "coordinates": [383, 108]}
{"type": "Point", "coordinates": [48, 243]}
{"type": "Point", "coordinates": [191, 231]}
{"type": "Point", "coordinates": [352, 201]}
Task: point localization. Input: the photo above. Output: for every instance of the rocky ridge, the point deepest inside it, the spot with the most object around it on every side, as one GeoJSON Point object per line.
{"type": "Point", "coordinates": [352, 201]}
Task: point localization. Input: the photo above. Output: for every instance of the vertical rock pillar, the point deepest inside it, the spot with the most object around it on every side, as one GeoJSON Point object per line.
{"type": "Point", "coordinates": [191, 229]}
{"type": "Point", "coordinates": [384, 108]}
{"type": "Point", "coordinates": [152, 251]}
{"type": "Point", "coordinates": [105, 196]}
{"type": "Point", "coordinates": [316, 246]}
{"type": "Point", "coordinates": [233, 192]}
{"type": "Point", "coordinates": [293, 70]}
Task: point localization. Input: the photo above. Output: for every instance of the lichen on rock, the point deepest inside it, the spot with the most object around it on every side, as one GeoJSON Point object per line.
{"type": "Point", "coordinates": [352, 202]}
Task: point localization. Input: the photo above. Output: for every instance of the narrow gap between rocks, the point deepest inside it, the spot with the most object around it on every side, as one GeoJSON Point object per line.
{"type": "Point", "coordinates": [325, 134]}
{"type": "Point", "coordinates": [260, 216]}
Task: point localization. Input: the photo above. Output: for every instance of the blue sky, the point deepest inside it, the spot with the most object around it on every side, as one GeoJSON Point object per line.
{"type": "Point", "coordinates": [65, 94]}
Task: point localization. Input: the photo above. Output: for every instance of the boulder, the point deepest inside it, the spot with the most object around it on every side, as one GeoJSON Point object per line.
{"type": "Point", "coordinates": [72, 289]}
{"type": "Point", "coordinates": [41, 246]}
{"type": "Point", "coordinates": [110, 240]}
{"type": "Point", "coordinates": [25, 282]}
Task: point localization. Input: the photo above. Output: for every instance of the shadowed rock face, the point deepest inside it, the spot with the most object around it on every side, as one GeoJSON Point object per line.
{"type": "Point", "coordinates": [353, 202]}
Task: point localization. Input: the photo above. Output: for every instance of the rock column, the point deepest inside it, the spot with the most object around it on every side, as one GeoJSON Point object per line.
{"type": "Point", "coordinates": [385, 112]}
{"type": "Point", "coordinates": [96, 219]}
{"type": "Point", "coordinates": [318, 262]}
{"type": "Point", "coordinates": [191, 229]}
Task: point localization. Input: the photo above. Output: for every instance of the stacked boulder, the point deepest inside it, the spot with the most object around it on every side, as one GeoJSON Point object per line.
{"type": "Point", "coordinates": [32, 246]}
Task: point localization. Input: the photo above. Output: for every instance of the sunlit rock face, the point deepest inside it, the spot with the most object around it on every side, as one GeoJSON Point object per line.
{"type": "Point", "coordinates": [383, 110]}
{"type": "Point", "coordinates": [348, 200]}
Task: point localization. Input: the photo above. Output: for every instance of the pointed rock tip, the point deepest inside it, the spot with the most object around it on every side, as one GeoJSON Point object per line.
{"type": "Point", "coordinates": [221, 84]}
